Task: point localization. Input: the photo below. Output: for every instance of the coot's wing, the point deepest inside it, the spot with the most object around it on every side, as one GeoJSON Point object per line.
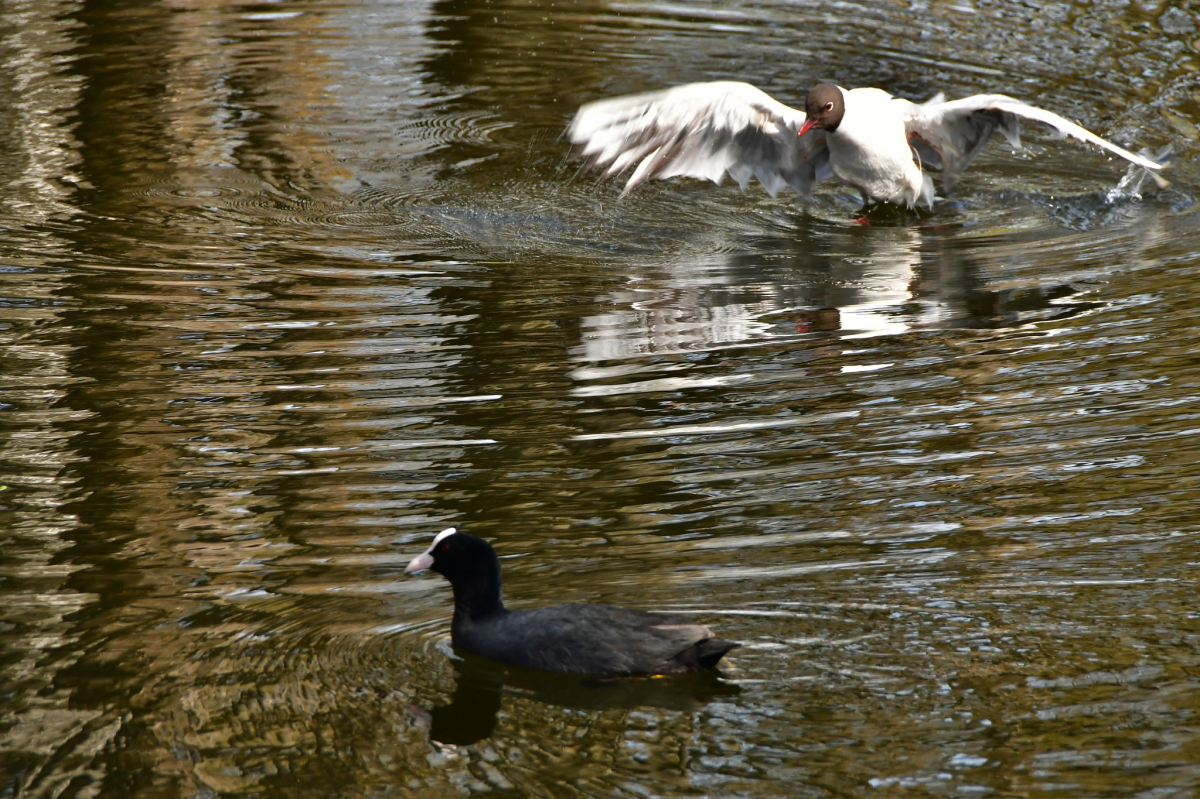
{"type": "Point", "coordinates": [948, 135]}
{"type": "Point", "coordinates": [588, 639]}
{"type": "Point", "coordinates": [702, 130]}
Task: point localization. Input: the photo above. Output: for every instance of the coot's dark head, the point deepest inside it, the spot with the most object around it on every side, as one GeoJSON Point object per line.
{"type": "Point", "coordinates": [471, 566]}
{"type": "Point", "coordinates": [450, 554]}
{"type": "Point", "coordinates": [824, 108]}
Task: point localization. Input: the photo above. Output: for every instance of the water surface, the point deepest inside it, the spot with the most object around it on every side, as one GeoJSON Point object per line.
{"type": "Point", "coordinates": [286, 288]}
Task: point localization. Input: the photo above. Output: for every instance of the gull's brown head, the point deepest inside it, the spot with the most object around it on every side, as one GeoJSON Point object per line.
{"type": "Point", "coordinates": [824, 108]}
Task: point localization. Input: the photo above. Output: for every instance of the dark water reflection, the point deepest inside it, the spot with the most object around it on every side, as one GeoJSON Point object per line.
{"type": "Point", "coordinates": [285, 288]}
{"type": "Point", "coordinates": [471, 715]}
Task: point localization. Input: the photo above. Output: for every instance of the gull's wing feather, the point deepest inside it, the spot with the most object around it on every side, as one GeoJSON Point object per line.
{"type": "Point", "coordinates": [948, 135]}
{"type": "Point", "coordinates": [702, 130]}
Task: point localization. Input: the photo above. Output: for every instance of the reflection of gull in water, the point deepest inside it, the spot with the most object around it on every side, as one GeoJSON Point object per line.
{"type": "Point", "coordinates": [877, 286]}
{"type": "Point", "coordinates": [886, 281]}
{"type": "Point", "coordinates": [714, 307]}
{"type": "Point", "coordinates": [650, 325]}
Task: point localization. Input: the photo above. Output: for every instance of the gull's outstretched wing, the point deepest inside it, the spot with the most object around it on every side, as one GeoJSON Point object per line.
{"type": "Point", "coordinates": [702, 130]}
{"type": "Point", "coordinates": [948, 135]}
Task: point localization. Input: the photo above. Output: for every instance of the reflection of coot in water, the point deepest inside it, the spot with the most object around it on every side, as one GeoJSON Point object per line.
{"type": "Point", "coordinates": [597, 640]}
{"type": "Point", "coordinates": [470, 715]}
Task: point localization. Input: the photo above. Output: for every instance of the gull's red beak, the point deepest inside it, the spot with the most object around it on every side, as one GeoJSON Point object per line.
{"type": "Point", "coordinates": [808, 125]}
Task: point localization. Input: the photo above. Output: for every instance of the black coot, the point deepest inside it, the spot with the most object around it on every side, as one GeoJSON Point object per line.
{"type": "Point", "coordinates": [598, 640]}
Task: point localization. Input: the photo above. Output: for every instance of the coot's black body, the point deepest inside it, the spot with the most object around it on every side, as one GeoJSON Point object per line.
{"type": "Point", "coordinates": [599, 640]}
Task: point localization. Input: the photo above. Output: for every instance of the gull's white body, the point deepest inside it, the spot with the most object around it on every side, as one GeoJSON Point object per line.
{"type": "Point", "coordinates": [870, 150]}
{"type": "Point", "coordinates": [881, 147]}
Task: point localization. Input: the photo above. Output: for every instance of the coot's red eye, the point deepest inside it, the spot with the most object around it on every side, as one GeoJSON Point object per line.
{"type": "Point", "coordinates": [444, 547]}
